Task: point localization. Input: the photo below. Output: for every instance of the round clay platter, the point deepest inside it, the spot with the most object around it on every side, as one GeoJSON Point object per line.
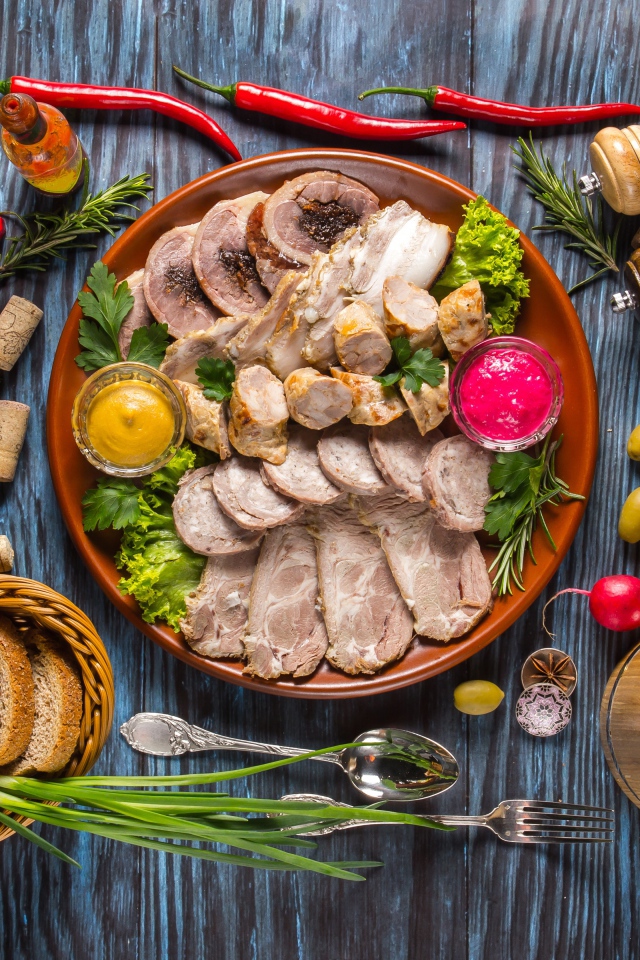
{"type": "Point", "coordinates": [547, 317]}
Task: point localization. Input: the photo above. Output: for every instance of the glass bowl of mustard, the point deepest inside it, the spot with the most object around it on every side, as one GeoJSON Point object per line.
{"type": "Point", "coordinates": [128, 419]}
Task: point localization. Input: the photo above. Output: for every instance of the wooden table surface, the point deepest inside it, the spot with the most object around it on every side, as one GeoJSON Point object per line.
{"type": "Point", "coordinates": [462, 895]}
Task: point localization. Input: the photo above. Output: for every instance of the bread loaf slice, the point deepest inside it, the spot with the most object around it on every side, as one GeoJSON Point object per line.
{"type": "Point", "coordinates": [16, 693]}
{"type": "Point", "coordinates": [58, 707]}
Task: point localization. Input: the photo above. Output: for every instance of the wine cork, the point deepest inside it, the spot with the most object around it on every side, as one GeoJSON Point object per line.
{"type": "Point", "coordinates": [6, 555]}
{"type": "Point", "coordinates": [18, 320]}
{"type": "Point", "coordinates": [13, 426]}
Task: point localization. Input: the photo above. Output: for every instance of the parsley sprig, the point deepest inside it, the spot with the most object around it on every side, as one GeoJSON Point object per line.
{"type": "Point", "coordinates": [217, 377]}
{"type": "Point", "coordinates": [523, 485]}
{"type": "Point", "coordinates": [113, 503]}
{"type": "Point", "coordinates": [420, 368]}
{"type": "Point", "coordinates": [104, 311]}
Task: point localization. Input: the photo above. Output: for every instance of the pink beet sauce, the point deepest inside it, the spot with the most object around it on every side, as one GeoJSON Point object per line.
{"type": "Point", "coordinates": [506, 394]}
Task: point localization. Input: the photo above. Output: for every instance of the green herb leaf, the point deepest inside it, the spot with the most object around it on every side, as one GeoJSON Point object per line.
{"type": "Point", "coordinates": [113, 503]}
{"type": "Point", "coordinates": [149, 344]}
{"type": "Point", "coordinates": [511, 470]}
{"type": "Point", "coordinates": [420, 368]}
{"type": "Point", "coordinates": [217, 377]}
{"type": "Point", "coordinates": [388, 379]}
{"type": "Point", "coordinates": [401, 350]}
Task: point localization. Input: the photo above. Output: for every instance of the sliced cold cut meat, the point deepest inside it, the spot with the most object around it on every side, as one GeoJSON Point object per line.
{"type": "Point", "coordinates": [201, 524]}
{"type": "Point", "coordinates": [360, 339]}
{"type": "Point", "coordinates": [285, 347]}
{"type": "Point", "coordinates": [184, 355]}
{"type": "Point", "coordinates": [411, 312]}
{"type": "Point", "coordinates": [250, 344]}
{"type": "Point", "coordinates": [368, 622]}
{"type": "Point", "coordinates": [246, 498]}
{"type": "Point", "coordinates": [206, 420]}
{"type": "Point", "coordinates": [345, 458]}
{"type": "Point", "coordinates": [315, 400]}
{"type": "Point", "coordinates": [462, 320]}
{"type": "Point", "coordinates": [373, 404]}
{"type": "Point", "coordinates": [430, 405]}
{"type": "Point", "coordinates": [138, 316]}
{"type": "Point", "coordinates": [456, 483]}
{"type": "Point", "coordinates": [441, 573]}
{"type": "Point", "coordinates": [300, 476]}
{"type": "Point", "coordinates": [285, 631]}
{"type": "Point", "coordinates": [217, 611]}
{"type": "Point", "coordinates": [259, 415]}
{"type": "Point", "coordinates": [312, 211]}
{"type": "Point", "coordinates": [270, 263]}
{"type": "Point", "coordinates": [400, 454]}
{"type": "Point", "coordinates": [171, 288]}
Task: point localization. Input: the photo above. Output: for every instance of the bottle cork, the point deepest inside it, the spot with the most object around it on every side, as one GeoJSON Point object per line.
{"type": "Point", "coordinates": [6, 555]}
{"type": "Point", "coordinates": [13, 427]}
{"type": "Point", "coordinates": [18, 320]}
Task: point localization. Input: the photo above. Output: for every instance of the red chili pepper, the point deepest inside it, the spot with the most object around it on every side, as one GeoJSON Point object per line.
{"type": "Point", "coordinates": [81, 95]}
{"type": "Point", "coordinates": [323, 116]}
{"type": "Point", "coordinates": [442, 98]}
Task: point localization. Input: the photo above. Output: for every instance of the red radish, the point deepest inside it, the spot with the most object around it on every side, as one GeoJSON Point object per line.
{"type": "Point", "coordinates": [613, 601]}
{"type": "Point", "coordinates": [2, 229]}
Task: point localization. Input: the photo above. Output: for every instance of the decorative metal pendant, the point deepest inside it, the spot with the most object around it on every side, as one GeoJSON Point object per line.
{"type": "Point", "coordinates": [543, 710]}
{"type": "Point", "coordinates": [549, 665]}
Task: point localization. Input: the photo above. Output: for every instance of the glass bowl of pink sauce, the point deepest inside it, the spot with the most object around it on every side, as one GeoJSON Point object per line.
{"type": "Point", "coordinates": [506, 393]}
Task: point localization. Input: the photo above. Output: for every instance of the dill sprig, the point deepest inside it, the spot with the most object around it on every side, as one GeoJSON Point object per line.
{"type": "Point", "coordinates": [568, 211]}
{"type": "Point", "coordinates": [49, 236]}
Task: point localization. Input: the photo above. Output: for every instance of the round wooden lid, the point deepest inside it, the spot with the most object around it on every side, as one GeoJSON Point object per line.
{"type": "Point", "coordinates": [620, 724]}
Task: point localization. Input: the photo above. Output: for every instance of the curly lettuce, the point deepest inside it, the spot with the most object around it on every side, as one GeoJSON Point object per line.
{"type": "Point", "coordinates": [487, 250]}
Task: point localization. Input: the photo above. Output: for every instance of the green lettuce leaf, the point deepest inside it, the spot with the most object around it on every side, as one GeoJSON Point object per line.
{"type": "Point", "coordinates": [487, 250]}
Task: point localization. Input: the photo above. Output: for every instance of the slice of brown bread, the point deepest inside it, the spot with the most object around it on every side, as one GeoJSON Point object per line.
{"type": "Point", "coordinates": [58, 706]}
{"type": "Point", "coordinates": [16, 693]}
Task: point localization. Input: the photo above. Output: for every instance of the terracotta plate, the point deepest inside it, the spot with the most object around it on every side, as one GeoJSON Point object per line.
{"type": "Point", "coordinates": [548, 318]}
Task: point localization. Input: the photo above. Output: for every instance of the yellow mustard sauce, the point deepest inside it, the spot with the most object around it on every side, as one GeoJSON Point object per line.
{"type": "Point", "coordinates": [130, 423]}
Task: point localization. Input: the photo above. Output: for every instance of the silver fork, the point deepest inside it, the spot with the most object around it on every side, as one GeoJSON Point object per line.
{"type": "Point", "coordinates": [516, 821]}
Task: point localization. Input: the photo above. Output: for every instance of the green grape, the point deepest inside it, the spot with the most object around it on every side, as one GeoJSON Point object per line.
{"type": "Point", "coordinates": [477, 697]}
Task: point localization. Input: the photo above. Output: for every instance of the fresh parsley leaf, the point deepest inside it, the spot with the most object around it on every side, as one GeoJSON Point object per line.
{"type": "Point", "coordinates": [149, 344]}
{"type": "Point", "coordinates": [502, 512]}
{"type": "Point", "coordinates": [401, 350]}
{"type": "Point", "coordinates": [511, 470]}
{"type": "Point", "coordinates": [420, 368]}
{"type": "Point", "coordinates": [388, 379]}
{"type": "Point", "coordinates": [113, 503]}
{"type": "Point", "coordinates": [97, 347]}
{"type": "Point", "coordinates": [217, 377]}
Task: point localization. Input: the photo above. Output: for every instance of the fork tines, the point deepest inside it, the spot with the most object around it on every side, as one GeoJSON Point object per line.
{"type": "Point", "coordinates": [554, 822]}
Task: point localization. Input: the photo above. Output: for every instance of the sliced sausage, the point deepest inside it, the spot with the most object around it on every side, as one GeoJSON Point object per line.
{"type": "Point", "coordinates": [373, 404]}
{"type": "Point", "coordinates": [206, 420]}
{"type": "Point", "coordinates": [456, 483]}
{"type": "Point", "coordinates": [300, 476]}
{"type": "Point", "coordinates": [411, 312]}
{"type": "Point", "coordinates": [316, 401]}
{"type": "Point", "coordinates": [430, 405]}
{"type": "Point", "coordinates": [201, 524]}
{"type": "Point", "coordinates": [345, 458]}
{"type": "Point", "coordinates": [247, 499]}
{"type": "Point", "coordinates": [400, 454]}
{"type": "Point", "coordinates": [462, 320]}
{"type": "Point", "coordinates": [259, 415]}
{"type": "Point", "coordinates": [360, 340]}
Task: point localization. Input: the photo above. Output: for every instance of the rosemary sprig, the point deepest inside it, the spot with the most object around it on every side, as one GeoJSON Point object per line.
{"type": "Point", "coordinates": [49, 236]}
{"type": "Point", "coordinates": [568, 211]}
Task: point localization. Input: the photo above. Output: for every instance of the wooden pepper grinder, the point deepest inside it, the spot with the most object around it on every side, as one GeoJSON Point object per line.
{"type": "Point", "coordinates": [615, 159]}
{"type": "Point", "coordinates": [629, 299]}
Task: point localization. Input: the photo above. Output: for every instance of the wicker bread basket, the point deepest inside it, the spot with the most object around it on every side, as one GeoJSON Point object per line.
{"type": "Point", "coordinates": [29, 603]}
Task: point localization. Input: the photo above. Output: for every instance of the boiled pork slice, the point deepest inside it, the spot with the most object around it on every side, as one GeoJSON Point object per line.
{"type": "Point", "coordinates": [373, 404]}
{"type": "Point", "coordinates": [368, 623]}
{"type": "Point", "coordinates": [207, 420]}
{"type": "Point", "coordinates": [441, 573]}
{"type": "Point", "coordinates": [360, 339]}
{"type": "Point", "coordinates": [285, 630]}
{"type": "Point", "coordinates": [270, 263]}
{"type": "Point", "coordinates": [138, 316]}
{"type": "Point", "coordinates": [300, 476]}
{"type": "Point", "coordinates": [184, 355]}
{"type": "Point", "coordinates": [400, 454]}
{"type": "Point", "coordinates": [284, 348]}
{"type": "Point", "coordinates": [246, 498]}
{"type": "Point", "coordinates": [430, 405]}
{"type": "Point", "coordinates": [462, 319]}
{"type": "Point", "coordinates": [217, 611]}
{"type": "Point", "coordinates": [221, 259]}
{"type": "Point", "coordinates": [259, 415]}
{"type": "Point", "coordinates": [315, 400]}
{"type": "Point", "coordinates": [345, 458]}
{"type": "Point", "coordinates": [412, 313]}
{"type": "Point", "coordinates": [456, 483]}
{"type": "Point", "coordinates": [311, 212]}
{"type": "Point", "coordinates": [171, 288]}
{"type": "Point", "coordinates": [201, 524]}
{"type": "Point", "coordinates": [250, 344]}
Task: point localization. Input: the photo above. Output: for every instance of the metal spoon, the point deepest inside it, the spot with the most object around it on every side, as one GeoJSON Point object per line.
{"type": "Point", "coordinates": [388, 765]}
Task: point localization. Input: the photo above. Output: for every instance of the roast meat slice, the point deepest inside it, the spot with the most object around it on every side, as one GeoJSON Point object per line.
{"type": "Point", "coordinates": [373, 404]}
{"type": "Point", "coordinates": [316, 401]}
{"type": "Point", "coordinates": [430, 405]}
{"type": "Point", "coordinates": [300, 476]}
{"type": "Point", "coordinates": [360, 339]}
{"type": "Point", "coordinates": [171, 288]}
{"type": "Point", "coordinates": [285, 631]}
{"type": "Point", "coordinates": [284, 349]}
{"type": "Point", "coordinates": [246, 498]}
{"type": "Point", "coordinates": [206, 420]}
{"type": "Point", "coordinates": [345, 458]}
{"type": "Point", "coordinates": [259, 415]}
{"type": "Point", "coordinates": [411, 312]}
{"type": "Point", "coordinates": [368, 622]}
{"type": "Point", "coordinates": [201, 524]}
{"type": "Point", "coordinates": [221, 259]}
{"type": "Point", "coordinates": [456, 483]}
{"type": "Point", "coordinates": [312, 211]}
{"type": "Point", "coordinates": [441, 573]}
{"type": "Point", "coordinates": [138, 316]}
{"type": "Point", "coordinates": [400, 454]}
{"type": "Point", "coordinates": [250, 344]}
{"type": "Point", "coordinates": [462, 320]}
{"type": "Point", "coordinates": [217, 611]}
{"type": "Point", "coordinates": [270, 264]}
{"type": "Point", "coordinates": [184, 355]}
